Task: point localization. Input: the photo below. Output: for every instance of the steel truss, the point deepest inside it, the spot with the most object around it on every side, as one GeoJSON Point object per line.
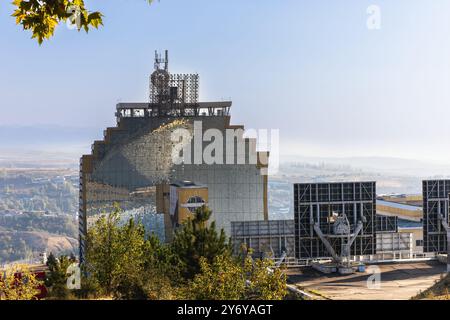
{"type": "Point", "coordinates": [318, 202]}
{"type": "Point", "coordinates": [435, 212]}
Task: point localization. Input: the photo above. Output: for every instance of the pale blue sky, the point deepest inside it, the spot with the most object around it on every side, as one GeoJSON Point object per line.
{"type": "Point", "coordinates": [309, 68]}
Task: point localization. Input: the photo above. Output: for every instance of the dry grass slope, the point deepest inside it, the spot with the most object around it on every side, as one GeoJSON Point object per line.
{"type": "Point", "coordinates": [439, 291]}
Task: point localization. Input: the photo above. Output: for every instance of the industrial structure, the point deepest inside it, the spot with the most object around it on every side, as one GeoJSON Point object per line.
{"type": "Point", "coordinates": [134, 164]}
{"type": "Point", "coordinates": [277, 238]}
{"type": "Point", "coordinates": [335, 220]}
{"type": "Point", "coordinates": [436, 231]}
{"type": "Point", "coordinates": [137, 166]}
{"type": "Point", "coordinates": [386, 223]}
{"type": "Point", "coordinates": [273, 238]}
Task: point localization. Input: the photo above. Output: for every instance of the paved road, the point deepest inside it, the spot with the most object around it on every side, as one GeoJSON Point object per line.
{"type": "Point", "coordinates": [398, 282]}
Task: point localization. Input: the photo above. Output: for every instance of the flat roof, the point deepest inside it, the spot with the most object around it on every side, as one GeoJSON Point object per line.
{"type": "Point", "coordinates": [144, 105]}
{"type": "Point", "coordinates": [399, 205]}
{"type": "Point", "coordinates": [187, 184]}
{"type": "Point", "coordinates": [333, 182]}
{"type": "Point", "coordinates": [407, 224]}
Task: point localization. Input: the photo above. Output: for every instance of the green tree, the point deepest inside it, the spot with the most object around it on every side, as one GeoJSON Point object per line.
{"type": "Point", "coordinates": [227, 278]}
{"type": "Point", "coordinates": [264, 281]}
{"type": "Point", "coordinates": [123, 263]}
{"type": "Point", "coordinates": [162, 266]}
{"type": "Point", "coordinates": [42, 16]}
{"type": "Point", "coordinates": [196, 239]}
{"type": "Point", "coordinates": [223, 279]}
{"type": "Point", "coordinates": [102, 250]}
{"type": "Point", "coordinates": [128, 274]}
{"type": "Point", "coordinates": [56, 280]}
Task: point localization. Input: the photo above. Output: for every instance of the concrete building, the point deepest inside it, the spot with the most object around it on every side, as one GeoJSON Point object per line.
{"type": "Point", "coordinates": [405, 211]}
{"type": "Point", "coordinates": [178, 202]}
{"type": "Point", "coordinates": [416, 232]}
{"type": "Point", "coordinates": [142, 152]}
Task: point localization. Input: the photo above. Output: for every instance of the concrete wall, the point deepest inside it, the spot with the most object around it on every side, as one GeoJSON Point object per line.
{"type": "Point", "coordinates": [417, 235]}
{"type": "Point", "coordinates": [235, 192]}
{"type": "Point", "coordinates": [265, 238]}
{"type": "Point", "coordinates": [394, 241]}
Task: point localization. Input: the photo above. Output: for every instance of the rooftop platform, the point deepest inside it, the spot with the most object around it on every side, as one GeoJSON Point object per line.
{"type": "Point", "coordinates": [148, 110]}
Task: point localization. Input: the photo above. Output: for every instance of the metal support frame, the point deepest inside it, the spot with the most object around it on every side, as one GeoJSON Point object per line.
{"type": "Point", "coordinates": [344, 257]}
{"type": "Point", "coordinates": [275, 237]}
{"type": "Point", "coordinates": [446, 226]}
{"type": "Point", "coordinates": [315, 202]}
{"type": "Point", "coordinates": [435, 206]}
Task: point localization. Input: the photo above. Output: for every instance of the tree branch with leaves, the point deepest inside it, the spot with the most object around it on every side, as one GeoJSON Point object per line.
{"type": "Point", "coordinates": [18, 282]}
{"type": "Point", "coordinates": [42, 16]}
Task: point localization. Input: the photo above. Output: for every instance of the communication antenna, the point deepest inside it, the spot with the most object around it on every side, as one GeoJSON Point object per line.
{"type": "Point", "coordinates": [169, 90]}
{"type": "Point", "coordinates": [159, 60]}
{"type": "Point", "coordinates": [160, 78]}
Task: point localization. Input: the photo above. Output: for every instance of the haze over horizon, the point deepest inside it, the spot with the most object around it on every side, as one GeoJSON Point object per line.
{"type": "Point", "coordinates": [314, 71]}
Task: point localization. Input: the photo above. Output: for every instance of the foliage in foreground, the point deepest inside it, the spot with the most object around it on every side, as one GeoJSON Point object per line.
{"type": "Point", "coordinates": [226, 279]}
{"type": "Point", "coordinates": [19, 283]}
{"type": "Point", "coordinates": [197, 240]}
{"type": "Point", "coordinates": [42, 16]}
{"type": "Point", "coordinates": [56, 279]}
{"type": "Point", "coordinates": [124, 263]}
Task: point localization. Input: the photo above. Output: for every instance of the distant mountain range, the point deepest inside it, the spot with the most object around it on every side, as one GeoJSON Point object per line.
{"type": "Point", "coordinates": [38, 137]}
{"type": "Point", "coordinates": [55, 142]}
{"type": "Point", "coordinates": [382, 165]}
{"type": "Point", "coordinates": [44, 146]}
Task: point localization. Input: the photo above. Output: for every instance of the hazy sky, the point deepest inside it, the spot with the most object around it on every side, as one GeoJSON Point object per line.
{"type": "Point", "coordinates": [309, 68]}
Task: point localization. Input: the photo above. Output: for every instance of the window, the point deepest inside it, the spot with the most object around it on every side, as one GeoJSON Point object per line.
{"type": "Point", "coordinates": [419, 243]}
{"type": "Point", "coordinates": [194, 202]}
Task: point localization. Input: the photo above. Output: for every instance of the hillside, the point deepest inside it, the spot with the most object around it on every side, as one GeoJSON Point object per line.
{"type": "Point", "coordinates": [439, 291]}
{"type": "Point", "coordinates": [19, 245]}
{"type": "Point", "coordinates": [26, 235]}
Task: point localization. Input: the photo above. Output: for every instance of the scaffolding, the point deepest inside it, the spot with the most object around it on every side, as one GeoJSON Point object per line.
{"type": "Point", "coordinates": [386, 223]}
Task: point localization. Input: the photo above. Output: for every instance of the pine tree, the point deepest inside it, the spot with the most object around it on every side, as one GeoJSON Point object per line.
{"type": "Point", "coordinates": [56, 279]}
{"type": "Point", "coordinates": [196, 239]}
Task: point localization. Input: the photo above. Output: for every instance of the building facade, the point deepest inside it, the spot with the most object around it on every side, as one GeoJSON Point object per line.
{"type": "Point", "coordinates": [142, 153]}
